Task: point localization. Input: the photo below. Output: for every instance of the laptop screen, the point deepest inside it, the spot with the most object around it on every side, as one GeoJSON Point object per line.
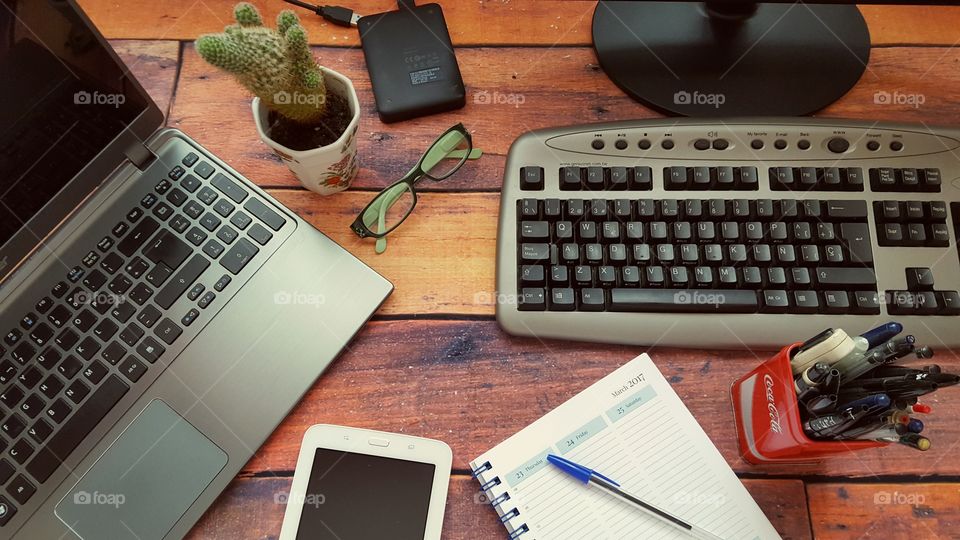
{"type": "Point", "coordinates": [63, 99]}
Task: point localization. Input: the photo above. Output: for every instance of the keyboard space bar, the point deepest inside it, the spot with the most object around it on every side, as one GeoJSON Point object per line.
{"type": "Point", "coordinates": [683, 300]}
{"type": "Point", "coordinates": [60, 446]}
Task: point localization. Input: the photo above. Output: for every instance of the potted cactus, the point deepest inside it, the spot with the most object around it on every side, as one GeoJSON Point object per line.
{"type": "Point", "coordinates": [306, 113]}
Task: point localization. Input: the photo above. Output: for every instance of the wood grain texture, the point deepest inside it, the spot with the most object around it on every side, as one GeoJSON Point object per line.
{"type": "Point", "coordinates": [154, 64]}
{"type": "Point", "coordinates": [441, 260]}
{"type": "Point", "coordinates": [249, 508]}
{"type": "Point", "coordinates": [470, 22]}
{"type": "Point", "coordinates": [472, 386]}
{"type": "Point", "coordinates": [906, 511]}
{"type": "Point", "coordinates": [557, 87]}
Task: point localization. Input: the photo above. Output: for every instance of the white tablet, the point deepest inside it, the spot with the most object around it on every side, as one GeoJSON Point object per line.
{"type": "Point", "coordinates": [358, 484]}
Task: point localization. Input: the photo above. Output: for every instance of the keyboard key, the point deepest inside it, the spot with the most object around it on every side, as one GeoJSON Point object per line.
{"type": "Point", "coordinates": [191, 316]}
{"type": "Point", "coordinates": [196, 236]}
{"type": "Point", "coordinates": [233, 190]}
{"type": "Point", "coordinates": [167, 248]}
{"type": "Point", "coordinates": [69, 367]}
{"type": "Point", "coordinates": [851, 278]}
{"type": "Point", "coordinates": [149, 315]}
{"type": "Point", "coordinates": [204, 170]}
{"type": "Point", "coordinates": [262, 212]}
{"type": "Point", "coordinates": [223, 207]}
{"type": "Point", "coordinates": [13, 426]}
{"type": "Point", "coordinates": [114, 352]}
{"type": "Point", "coordinates": [193, 209]}
{"type": "Point", "coordinates": [222, 283]}
{"type": "Point", "coordinates": [187, 275]}
{"type": "Point", "coordinates": [77, 391]}
{"type": "Point", "coordinates": [190, 183]}
{"type": "Point", "coordinates": [40, 430]}
{"type": "Point", "coordinates": [227, 234]}
{"type": "Point", "coordinates": [133, 369]}
{"type": "Point", "coordinates": [21, 489]}
{"type": "Point", "coordinates": [62, 444]}
{"type": "Point", "coordinates": [210, 222]}
{"type": "Point", "coordinates": [189, 159]}
{"type": "Point", "coordinates": [168, 331]}
{"type": "Point", "coordinates": [7, 511]}
{"type": "Point", "coordinates": [207, 299]}
{"type": "Point", "coordinates": [240, 220]}
{"type": "Point", "coordinates": [150, 350]}
{"type": "Point", "coordinates": [6, 471]}
{"type": "Point", "coordinates": [137, 237]}
{"type": "Point", "coordinates": [243, 251]}
{"type": "Point", "coordinates": [131, 334]}
{"type": "Point", "coordinates": [260, 234]}
{"type": "Point", "coordinates": [680, 301]}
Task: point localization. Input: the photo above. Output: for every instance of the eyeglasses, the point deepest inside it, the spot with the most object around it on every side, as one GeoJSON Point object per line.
{"type": "Point", "coordinates": [392, 205]}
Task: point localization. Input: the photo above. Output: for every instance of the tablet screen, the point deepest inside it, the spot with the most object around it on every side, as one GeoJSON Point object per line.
{"type": "Point", "coordinates": [357, 496]}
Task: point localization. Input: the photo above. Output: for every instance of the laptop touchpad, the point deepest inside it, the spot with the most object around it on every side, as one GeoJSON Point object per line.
{"type": "Point", "coordinates": [145, 481]}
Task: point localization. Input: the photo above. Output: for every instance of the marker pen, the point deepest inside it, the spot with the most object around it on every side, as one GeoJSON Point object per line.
{"type": "Point", "coordinates": [882, 333]}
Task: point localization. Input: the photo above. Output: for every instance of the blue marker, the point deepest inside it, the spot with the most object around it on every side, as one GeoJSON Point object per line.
{"type": "Point", "coordinates": [915, 426]}
{"type": "Point", "coordinates": [590, 476]}
{"type": "Point", "coordinates": [872, 403]}
{"type": "Point", "coordinates": [882, 333]}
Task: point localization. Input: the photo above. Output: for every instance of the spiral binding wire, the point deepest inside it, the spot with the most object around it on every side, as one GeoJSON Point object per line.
{"type": "Point", "coordinates": [487, 487]}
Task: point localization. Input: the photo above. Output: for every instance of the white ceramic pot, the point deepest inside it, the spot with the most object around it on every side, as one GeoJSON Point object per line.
{"type": "Point", "coordinates": [328, 169]}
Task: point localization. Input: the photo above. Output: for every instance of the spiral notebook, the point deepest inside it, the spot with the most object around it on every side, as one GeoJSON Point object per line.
{"type": "Point", "coordinates": [630, 426]}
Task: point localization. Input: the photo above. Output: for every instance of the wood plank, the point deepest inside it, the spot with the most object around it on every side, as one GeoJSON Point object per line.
{"type": "Point", "coordinates": [249, 508]}
{"type": "Point", "coordinates": [564, 82]}
{"type": "Point", "coordinates": [472, 386]}
{"type": "Point", "coordinates": [897, 511]}
{"type": "Point", "coordinates": [544, 22]}
{"type": "Point", "coordinates": [441, 260]}
{"type": "Point", "coordinates": [154, 64]}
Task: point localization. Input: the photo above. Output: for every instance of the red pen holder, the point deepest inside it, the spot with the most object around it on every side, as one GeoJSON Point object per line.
{"type": "Point", "coordinates": [769, 427]}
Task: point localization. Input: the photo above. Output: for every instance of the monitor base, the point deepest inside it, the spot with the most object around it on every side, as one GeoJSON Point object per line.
{"type": "Point", "coordinates": [693, 59]}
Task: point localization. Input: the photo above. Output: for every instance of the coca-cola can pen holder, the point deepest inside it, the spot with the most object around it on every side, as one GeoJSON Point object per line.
{"type": "Point", "coordinates": [769, 427]}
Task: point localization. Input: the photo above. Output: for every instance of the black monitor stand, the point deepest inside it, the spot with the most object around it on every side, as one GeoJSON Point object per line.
{"type": "Point", "coordinates": [731, 59]}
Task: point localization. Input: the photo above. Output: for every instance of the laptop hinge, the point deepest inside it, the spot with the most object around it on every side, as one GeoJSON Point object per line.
{"type": "Point", "coordinates": [140, 155]}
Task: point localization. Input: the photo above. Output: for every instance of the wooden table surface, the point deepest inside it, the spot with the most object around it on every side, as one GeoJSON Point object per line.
{"type": "Point", "coordinates": [433, 361]}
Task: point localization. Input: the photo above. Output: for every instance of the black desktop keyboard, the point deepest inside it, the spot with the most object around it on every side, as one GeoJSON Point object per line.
{"type": "Point", "coordinates": [728, 233]}
{"type": "Point", "coordinates": [106, 326]}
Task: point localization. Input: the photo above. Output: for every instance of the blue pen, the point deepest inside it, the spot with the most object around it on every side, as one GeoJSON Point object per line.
{"type": "Point", "coordinates": [882, 333]}
{"type": "Point", "coordinates": [590, 476]}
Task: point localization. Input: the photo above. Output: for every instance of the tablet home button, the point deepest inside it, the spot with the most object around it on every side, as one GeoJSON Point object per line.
{"type": "Point", "coordinates": [378, 442]}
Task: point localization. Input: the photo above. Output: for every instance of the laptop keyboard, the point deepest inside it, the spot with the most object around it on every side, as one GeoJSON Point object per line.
{"type": "Point", "coordinates": [110, 320]}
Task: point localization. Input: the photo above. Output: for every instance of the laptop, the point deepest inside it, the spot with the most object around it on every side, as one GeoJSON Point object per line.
{"type": "Point", "coordinates": [159, 313]}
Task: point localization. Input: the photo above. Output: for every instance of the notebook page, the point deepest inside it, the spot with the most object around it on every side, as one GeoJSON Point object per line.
{"type": "Point", "coordinates": [632, 427]}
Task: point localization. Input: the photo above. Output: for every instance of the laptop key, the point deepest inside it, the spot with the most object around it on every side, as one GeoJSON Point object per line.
{"type": "Point", "coordinates": [150, 350]}
{"type": "Point", "coordinates": [44, 305]}
{"type": "Point", "coordinates": [190, 183]}
{"type": "Point", "coordinates": [62, 444]}
{"type": "Point", "coordinates": [48, 358]}
{"type": "Point", "coordinates": [7, 371]}
{"type": "Point", "coordinates": [114, 352]}
{"type": "Point", "coordinates": [183, 280]}
{"type": "Point", "coordinates": [176, 172]}
{"type": "Point", "coordinates": [229, 188]}
{"type": "Point", "coordinates": [241, 220]}
{"type": "Point", "coordinates": [189, 159]}
{"type": "Point", "coordinates": [141, 294]}
{"type": "Point", "coordinates": [176, 197]}
{"type": "Point", "coordinates": [95, 372]}
{"type": "Point", "coordinates": [137, 237]}
{"type": "Point", "coordinates": [58, 411]}
{"type": "Point", "coordinates": [133, 369]}
{"type": "Point", "coordinates": [179, 223]}
{"type": "Point", "coordinates": [203, 170]}
{"type": "Point", "coordinates": [69, 367]}
{"type": "Point", "coordinates": [149, 316]}
{"type": "Point", "coordinates": [260, 234]}
{"type": "Point", "coordinates": [13, 426]}
{"type": "Point", "coordinates": [159, 274]}
{"type": "Point", "coordinates": [40, 430]}
{"type": "Point", "coordinates": [20, 452]}
{"type": "Point", "coordinates": [213, 249]}
{"type": "Point", "coordinates": [168, 249]}
{"type": "Point", "coordinates": [207, 196]}
{"type": "Point", "coordinates": [168, 331]}
{"type": "Point", "coordinates": [131, 334]}
{"type": "Point", "coordinates": [59, 316]}
{"type": "Point", "coordinates": [21, 489]}
{"type": "Point", "coordinates": [265, 214]}
{"type": "Point", "coordinates": [41, 334]}
{"type": "Point", "coordinates": [112, 263]}
{"type": "Point", "coordinates": [238, 256]}
{"type": "Point", "coordinates": [51, 386]}
{"type": "Point", "coordinates": [7, 511]}
{"type": "Point", "coordinates": [196, 236]}
{"type": "Point", "coordinates": [123, 311]}
{"type": "Point", "coordinates": [6, 471]}
{"type": "Point", "coordinates": [120, 229]}
{"type": "Point", "coordinates": [77, 391]}
{"type": "Point", "coordinates": [105, 330]}
{"type": "Point", "coordinates": [223, 207]}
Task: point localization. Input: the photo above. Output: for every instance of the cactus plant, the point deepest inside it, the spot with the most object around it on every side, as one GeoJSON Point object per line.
{"type": "Point", "coordinates": [275, 65]}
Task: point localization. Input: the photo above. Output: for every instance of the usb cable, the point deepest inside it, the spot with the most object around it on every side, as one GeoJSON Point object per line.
{"type": "Point", "coordinates": [338, 15]}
